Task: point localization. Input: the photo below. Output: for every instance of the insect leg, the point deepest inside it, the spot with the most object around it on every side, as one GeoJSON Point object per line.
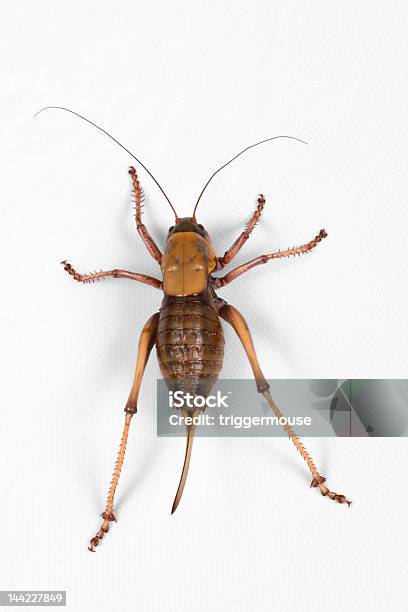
{"type": "Point", "coordinates": [234, 318]}
{"type": "Point", "coordinates": [141, 228]}
{"type": "Point", "coordinates": [146, 343]}
{"type": "Point", "coordinates": [262, 259]}
{"type": "Point", "coordinates": [243, 237]}
{"type": "Point", "coordinates": [87, 278]}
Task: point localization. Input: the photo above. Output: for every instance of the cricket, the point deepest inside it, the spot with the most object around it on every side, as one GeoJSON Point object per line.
{"type": "Point", "coordinates": [187, 331]}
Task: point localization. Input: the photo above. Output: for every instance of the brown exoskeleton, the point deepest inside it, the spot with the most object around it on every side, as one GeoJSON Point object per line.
{"type": "Point", "coordinates": [187, 331]}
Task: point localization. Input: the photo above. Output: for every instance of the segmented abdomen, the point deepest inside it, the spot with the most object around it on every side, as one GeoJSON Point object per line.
{"type": "Point", "coordinates": [190, 345]}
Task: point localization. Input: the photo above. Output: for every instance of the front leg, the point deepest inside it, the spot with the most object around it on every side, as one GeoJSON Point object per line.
{"type": "Point", "coordinates": [262, 259]}
{"type": "Point", "coordinates": [141, 228]}
{"type": "Point", "coordinates": [243, 237]}
{"type": "Point", "coordinates": [237, 321]}
{"type": "Point", "coordinates": [95, 276]}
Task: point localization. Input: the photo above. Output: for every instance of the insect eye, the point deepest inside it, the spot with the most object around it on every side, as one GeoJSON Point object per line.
{"type": "Point", "coordinates": [200, 226]}
{"type": "Point", "coordinates": [171, 228]}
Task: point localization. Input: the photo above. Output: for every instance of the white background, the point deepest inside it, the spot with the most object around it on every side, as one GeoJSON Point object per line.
{"type": "Point", "coordinates": [186, 86]}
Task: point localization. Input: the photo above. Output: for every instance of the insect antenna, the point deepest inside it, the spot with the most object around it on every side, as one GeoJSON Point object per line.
{"type": "Point", "coordinates": [235, 157]}
{"type": "Point", "coordinates": [117, 142]}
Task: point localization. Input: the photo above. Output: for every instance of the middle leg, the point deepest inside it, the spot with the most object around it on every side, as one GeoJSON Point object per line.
{"type": "Point", "coordinates": [262, 259]}
{"type": "Point", "coordinates": [96, 276]}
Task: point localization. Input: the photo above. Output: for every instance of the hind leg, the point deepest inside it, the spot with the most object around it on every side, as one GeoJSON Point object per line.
{"type": "Point", "coordinates": [234, 318]}
{"type": "Point", "coordinates": [146, 343]}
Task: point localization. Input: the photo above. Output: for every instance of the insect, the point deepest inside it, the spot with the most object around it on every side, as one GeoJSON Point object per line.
{"type": "Point", "coordinates": [187, 330]}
